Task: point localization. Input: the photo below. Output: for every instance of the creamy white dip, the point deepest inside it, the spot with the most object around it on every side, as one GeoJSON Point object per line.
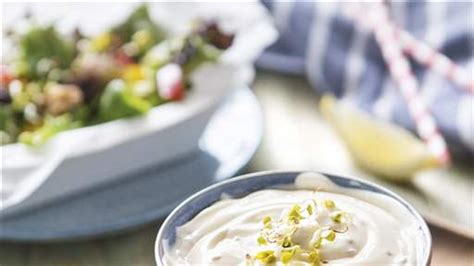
{"type": "Point", "coordinates": [380, 231]}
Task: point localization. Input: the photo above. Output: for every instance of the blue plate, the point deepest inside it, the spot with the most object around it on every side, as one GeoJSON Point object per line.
{"type": "Point", "coordinates": [228, 144]}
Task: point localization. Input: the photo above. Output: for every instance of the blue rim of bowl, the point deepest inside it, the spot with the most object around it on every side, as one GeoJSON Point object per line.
{"type": "Point", "coordinates": [288, 178]}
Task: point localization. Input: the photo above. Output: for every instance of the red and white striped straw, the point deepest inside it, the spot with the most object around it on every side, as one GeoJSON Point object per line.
{"type": "Point", "coordinates": [420, 51]}
{"type": "Point", "coordinates": [436, 61]}
{"type": "Point", "coordinates": [400, 70]}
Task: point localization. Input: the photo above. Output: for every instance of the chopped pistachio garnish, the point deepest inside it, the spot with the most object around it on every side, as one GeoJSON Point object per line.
{"type": "Point", "coordinates": [267, 256]}
{"type": "Point", "coordinates": [261, 241]}
{"type": "Point", "coordinates": [330, 235]}
{"type": "Point", "coordinates": [314, 256]}
{"type": "Point", "coordinates": [337, 216]}
{"type": "Point", "coordinates": [309, 209]}
{"type": "Point", "coordinates": [286, 243]}
{"type": "Point", "coordinates": [282, 242]}
{"type": "Point", "coordinates": [266, 220]}
{"type": "Point", "coordinates": [329, 204]}
{"type": "Point", "coordinates": [318, 242]}
{"type": "Point", "coordinates": [294, 214]}
{"type": "Point", "coordinates": [287, 255]}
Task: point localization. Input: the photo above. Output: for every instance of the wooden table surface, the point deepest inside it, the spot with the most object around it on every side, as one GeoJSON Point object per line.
{"type": "Point", "coordinates": [288, 96]}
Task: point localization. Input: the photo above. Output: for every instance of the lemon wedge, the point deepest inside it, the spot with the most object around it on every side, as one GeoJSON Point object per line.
{"type": "Point", "coordinates": [380, 147]}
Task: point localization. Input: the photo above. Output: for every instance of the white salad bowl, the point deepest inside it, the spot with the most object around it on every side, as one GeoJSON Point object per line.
{"type": "Point", "coordinates": [82, 158]}
{"type": "Point", "coordinates": [79, 159]}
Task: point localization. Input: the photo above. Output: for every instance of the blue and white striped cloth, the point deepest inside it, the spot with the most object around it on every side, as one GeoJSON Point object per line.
{"type": "Point", "coordinates": [318, 41]}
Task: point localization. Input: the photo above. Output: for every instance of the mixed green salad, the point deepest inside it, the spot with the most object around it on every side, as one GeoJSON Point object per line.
{"type": "Point", "coordinates": [57, 82]}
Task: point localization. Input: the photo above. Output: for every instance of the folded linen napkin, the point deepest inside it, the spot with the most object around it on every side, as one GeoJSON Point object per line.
{"type": "Point", "coordinates": [317, 40]}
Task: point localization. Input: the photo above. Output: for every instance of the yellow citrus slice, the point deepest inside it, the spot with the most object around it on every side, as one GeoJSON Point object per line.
{"type": "Point", "coordinates": [378, 146]}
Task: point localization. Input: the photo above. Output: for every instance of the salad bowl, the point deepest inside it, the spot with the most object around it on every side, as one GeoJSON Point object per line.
{"type": "Point", "coordinates": [77, 159]}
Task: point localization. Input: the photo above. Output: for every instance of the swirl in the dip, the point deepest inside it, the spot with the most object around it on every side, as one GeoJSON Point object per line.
{"type": "Point", "coordinates": [296, 227]}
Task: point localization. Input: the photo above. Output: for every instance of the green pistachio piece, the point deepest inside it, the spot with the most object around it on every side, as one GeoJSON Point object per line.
{"type": "Point", "coordinates": [294, 214]}
{"type": "Point", "coordinates": [330, 235]}
{"type": "Point", "coordinates": [329, 204]}
{"type": "Point", "coordinates": [337, 216]}
{"type": "Point", "coordinates": [261, 241]}
{"type": "Point", "coordinates": [313, 257]}
{"type": "Point", "coordinates": [286, 256]}
{"type": "Point", "coordinates": [267, 219]}
{"type": "Point", "coordinates": [286, 243]}
{"type": "Point", "coordinates": [266, 256]}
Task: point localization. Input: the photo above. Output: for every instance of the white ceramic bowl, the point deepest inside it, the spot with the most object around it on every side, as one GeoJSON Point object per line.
{"type": "Point", "coordinates": [79, 159]}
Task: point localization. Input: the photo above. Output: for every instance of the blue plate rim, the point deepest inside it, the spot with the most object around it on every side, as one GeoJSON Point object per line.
{"type": "Point", "coordinates": [235, 167]}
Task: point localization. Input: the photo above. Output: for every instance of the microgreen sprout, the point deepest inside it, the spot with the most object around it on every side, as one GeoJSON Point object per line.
{"type": "Point", "coordinates": [286, 243]}
{"type": "Point", "coordinates": [329, 204]}
{"type": "Point", "coordinates": [318, 242]}
{"type": "Point", "coordinates": [337, 216]}
{"type": "Point", "coordinates": [286, 257]}
{"type": "Point", "coordinates": [266, 220]}
{"type": "Point", "coordinates": [329, 235]}
{"type": "Point", "coordinates": [261, 241]}
{"type": "Point", "coordinates": [309, 209]}
{"type": "Point", "coordinates": [281, 241]}
{"type": "Point", "coordinates": [294, 214]}
{"type": "Point", "coordinates": [314, 256]}
{"type": "Point", "coordinates": [266, 256]}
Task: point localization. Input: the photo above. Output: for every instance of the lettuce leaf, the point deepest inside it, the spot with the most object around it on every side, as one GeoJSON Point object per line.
{"type": "Point", "coordinates": [118, 101]}
{"type": "Point", "coordinates": [139, 20]}
{"type": "Point", "coordinates": [51, 126]}
{"type": "Point", "coordinates": [43, 45]}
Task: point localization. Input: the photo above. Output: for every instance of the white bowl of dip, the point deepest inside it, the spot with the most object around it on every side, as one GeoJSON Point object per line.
{"type": "Point", "coordinates": [221, 224]}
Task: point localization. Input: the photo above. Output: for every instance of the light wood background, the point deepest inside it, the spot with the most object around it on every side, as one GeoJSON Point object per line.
{"type": "Point", "coordinates": [289, 104]}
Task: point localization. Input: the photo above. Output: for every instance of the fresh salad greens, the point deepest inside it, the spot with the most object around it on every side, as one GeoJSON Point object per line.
{"type": "Point", "coordinates": [55, 82]}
